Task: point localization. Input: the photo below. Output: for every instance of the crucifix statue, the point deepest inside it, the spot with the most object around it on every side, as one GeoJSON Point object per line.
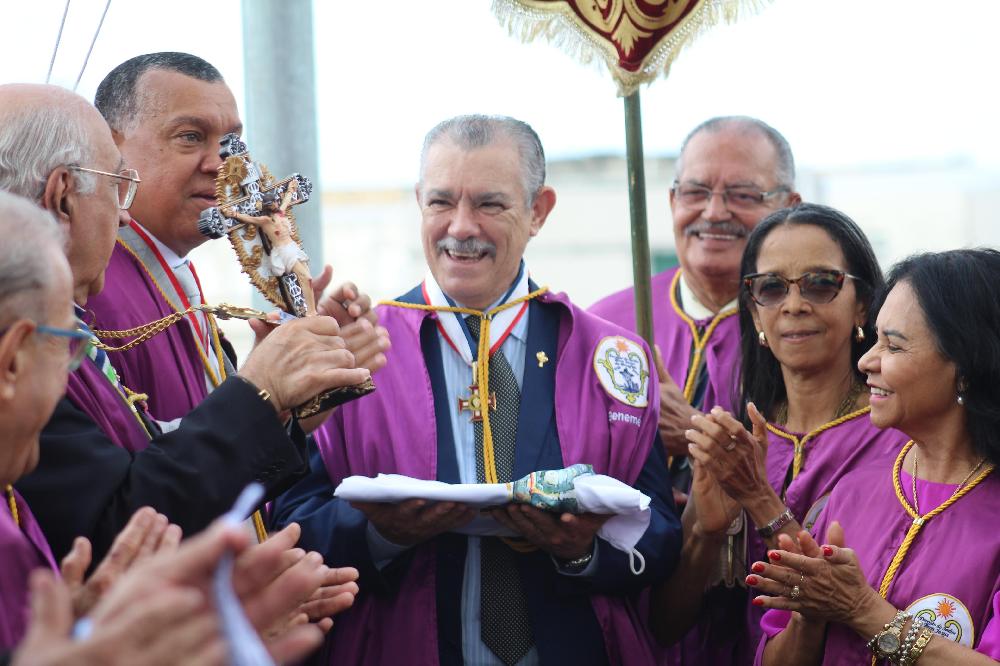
{"type": "Point", "coordinates": [255, 211]}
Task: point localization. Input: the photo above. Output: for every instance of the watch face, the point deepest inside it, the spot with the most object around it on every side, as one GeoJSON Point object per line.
{"type": "Point", "coordinates": [888, 643]}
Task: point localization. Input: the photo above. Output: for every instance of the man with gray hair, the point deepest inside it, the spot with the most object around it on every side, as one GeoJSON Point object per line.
{"type": "Point", "coordinates": [100, 449]}
{"type": "Point", "coordinates": [564, 387]}
{"type": "Point", "coordinates": [732, 172]}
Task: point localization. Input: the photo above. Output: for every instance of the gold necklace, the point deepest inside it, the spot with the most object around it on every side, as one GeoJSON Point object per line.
{"type": "Point", "coordinates": [845, 408]}
{"type": "Point", "coordinates": [12, 503]}
{"type": "Point", "coordinates": [913, 478]}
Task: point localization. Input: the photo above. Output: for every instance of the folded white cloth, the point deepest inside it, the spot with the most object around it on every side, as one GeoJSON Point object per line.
{"type": "Point", "coordinates": [595, 493]}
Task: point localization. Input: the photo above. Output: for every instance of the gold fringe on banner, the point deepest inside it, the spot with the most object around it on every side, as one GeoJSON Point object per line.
{"type": "Point", "coordinates": [561, 26]}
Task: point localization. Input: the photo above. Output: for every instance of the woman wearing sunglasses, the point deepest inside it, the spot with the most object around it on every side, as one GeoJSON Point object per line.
{"type": "Point", "coordinates": [920, 581]}
{"type": "Point", "coordinates": [809, 277]}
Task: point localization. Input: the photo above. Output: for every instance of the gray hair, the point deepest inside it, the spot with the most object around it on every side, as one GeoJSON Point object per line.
{"type": "Point", "coordinates": [785, 175]}
{"type": "Point", "coordinates": [476, 131]}
{"type": "Point", "coordinates": [37, 138]}
{"type": "Point", "coordinates": [31, 236]}
{"type": "Point", "coordinates": [118, 95]}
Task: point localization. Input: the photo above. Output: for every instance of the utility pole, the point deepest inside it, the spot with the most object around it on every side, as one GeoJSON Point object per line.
{"type": "Point", "coordinates": [280, 77]}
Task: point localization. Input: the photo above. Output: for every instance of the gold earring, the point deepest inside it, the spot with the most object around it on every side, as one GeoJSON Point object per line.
{"type": "Point", "coordinates": [859, 334]}
{"type": "Point", "coordinates": [761, 339]}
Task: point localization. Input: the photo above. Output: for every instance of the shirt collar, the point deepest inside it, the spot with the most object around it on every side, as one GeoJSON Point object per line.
{"type": "Point", "coordinates": [172, 258]}
{"type": "Point", "coordinates": [692, 306]}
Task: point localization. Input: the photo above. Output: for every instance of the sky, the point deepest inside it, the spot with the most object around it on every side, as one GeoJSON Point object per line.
{"type": "Point", "coordinates": [853, 82]}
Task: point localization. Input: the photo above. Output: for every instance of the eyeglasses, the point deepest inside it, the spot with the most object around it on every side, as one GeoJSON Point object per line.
{"type": "Point", "coordinates": [733, 198]}
{"type": "Point", "coordinates": [80, 342]}
{"type": "Point", "coordinates": [128, 183]}
{"type": "Point", "coordinates": [817, 287]}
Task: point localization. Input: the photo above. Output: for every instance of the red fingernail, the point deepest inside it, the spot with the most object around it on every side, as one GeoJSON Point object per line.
{"type": "Point", "coordinates": [774, 555]}
{"type": "Point", "coordinates": [758, 602]}
{"type": "Point", "coordinates": [758, 567]}
{"type": "Point", "coordinates": [752, 580]}
{"type": "Point", "coordinates": [828, 551]}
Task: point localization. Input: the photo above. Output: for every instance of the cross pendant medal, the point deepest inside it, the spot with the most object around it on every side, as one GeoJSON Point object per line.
{"type": "Point", "coordinates": [474, 403]}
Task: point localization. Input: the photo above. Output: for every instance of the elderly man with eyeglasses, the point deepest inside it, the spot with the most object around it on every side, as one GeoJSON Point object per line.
{"type": "Point", "coordinates": [732, 172]}
{"type": "Point", "coordinates": [103, 455]}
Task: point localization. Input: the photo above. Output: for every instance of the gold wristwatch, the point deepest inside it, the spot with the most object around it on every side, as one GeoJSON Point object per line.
{"type": "Point", "coordinates": [886, 643]}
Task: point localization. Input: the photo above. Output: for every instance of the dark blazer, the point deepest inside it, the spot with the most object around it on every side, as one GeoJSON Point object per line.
{"type": "Point", "coordinates": [85, 485]}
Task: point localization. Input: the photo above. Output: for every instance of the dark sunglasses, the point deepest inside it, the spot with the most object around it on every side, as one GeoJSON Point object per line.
{"type": "Point", "coordinates": [817, 287]}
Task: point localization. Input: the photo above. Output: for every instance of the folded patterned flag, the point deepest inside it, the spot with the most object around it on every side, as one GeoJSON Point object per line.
{"type": "Point", "coordinates": [575, 489]}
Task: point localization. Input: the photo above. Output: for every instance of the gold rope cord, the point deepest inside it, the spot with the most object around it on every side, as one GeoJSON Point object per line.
{"type": "Point", "coordinates": [12, 503]}
{"type": "Point", "coordinates": [799, 445]}
{"type": "Point", "coordinates": [918, 520]}
{"type": "Point", "coordinates": [700, 341]}
{"type": "Point", "coordinates": [482, 361]}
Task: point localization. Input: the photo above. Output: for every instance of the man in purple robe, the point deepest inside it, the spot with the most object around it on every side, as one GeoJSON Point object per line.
{"type": "Point", "coordinates": [167, 112]}
{"type": "Point", "coordinates": [102, 457]}
{"type": "Point", "coordinates": [564, 387]}
{"type": "Point", "coordinates": [732, 171]}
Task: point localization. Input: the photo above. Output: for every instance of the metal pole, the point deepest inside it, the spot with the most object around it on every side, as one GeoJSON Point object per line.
{"type": "Point", "coordinates": [637, 209]}
{"type": "Point", "coordinates": [280, 77]}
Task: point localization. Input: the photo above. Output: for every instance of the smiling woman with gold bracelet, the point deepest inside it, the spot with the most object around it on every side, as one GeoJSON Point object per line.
{"type": "Point", "coordinates": [920, 580]}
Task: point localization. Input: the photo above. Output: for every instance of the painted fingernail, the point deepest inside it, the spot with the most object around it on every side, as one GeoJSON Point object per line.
{"type": "Point", "coordinates": [758, 567]}
{"type": "Point", "coordinates": [752, 580]}
{"type": "Point", "coordinates": [774, 555]}
{"type": "Point", "coordinates": [828, 551]}
{"type": "Point", "coordinates": [758, 602]}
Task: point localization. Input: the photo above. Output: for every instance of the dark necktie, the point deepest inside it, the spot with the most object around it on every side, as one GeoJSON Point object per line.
{"type": "Point", "coordinates": [503, 608]}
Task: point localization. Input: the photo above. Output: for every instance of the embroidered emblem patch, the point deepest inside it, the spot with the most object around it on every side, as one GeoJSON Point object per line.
{"type": "Point", "coordinates": [946, 616]}
{"type": "Point", "coordinates": [623, 370]}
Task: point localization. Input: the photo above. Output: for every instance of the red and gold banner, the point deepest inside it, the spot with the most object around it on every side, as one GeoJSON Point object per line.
{"type": "Point", "coordinates": [637, 39]}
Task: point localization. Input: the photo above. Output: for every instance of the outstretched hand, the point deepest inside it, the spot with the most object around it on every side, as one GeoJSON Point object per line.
{"type": "Point", "coordinates": [565, 536]}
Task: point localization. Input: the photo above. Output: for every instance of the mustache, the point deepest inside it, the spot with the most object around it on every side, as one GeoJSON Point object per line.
{"type": "Point", "coordinates": [726, 228]}
{"type": "Point", "coordinates": [467, 246]}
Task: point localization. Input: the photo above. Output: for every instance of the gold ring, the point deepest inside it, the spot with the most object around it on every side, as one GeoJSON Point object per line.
{"type": "Point", "coordinates": [796, 592]}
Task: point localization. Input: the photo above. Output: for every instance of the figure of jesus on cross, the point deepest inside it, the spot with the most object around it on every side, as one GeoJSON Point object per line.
{"type": "Point", "coordinates": [285, 256]}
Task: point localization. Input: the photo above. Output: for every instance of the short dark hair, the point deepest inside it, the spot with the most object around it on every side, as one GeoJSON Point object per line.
{"type": "Point", "coordinates": [117, 97]}
{"type": "Point", "coordinates": [956, 290]}
{"type": "Point", "coordinates": [786, 162]}
{"type": "Point", "coordinates": [761, 380]}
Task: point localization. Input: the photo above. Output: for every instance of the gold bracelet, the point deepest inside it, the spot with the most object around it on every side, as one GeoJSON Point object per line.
{"type": "Point", "coordinates": [918, 648]}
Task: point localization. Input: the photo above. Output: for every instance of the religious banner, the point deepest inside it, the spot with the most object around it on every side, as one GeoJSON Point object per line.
{"type": "Point", "coordinates": [636, 39]}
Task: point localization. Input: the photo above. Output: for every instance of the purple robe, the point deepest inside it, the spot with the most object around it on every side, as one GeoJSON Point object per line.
{"type": "Point", "coordinates": [672, 332]}
{"type": "Point", "coordinates": [950, 576]}
{"type": "Point", "coordinates": [92, 392]}
{"type": "Point", "coordinates": [168, 367]}
{"type": "Point", "coordinates": [389, 433]}
{"type": "Point", "coordinates": [22, 550]}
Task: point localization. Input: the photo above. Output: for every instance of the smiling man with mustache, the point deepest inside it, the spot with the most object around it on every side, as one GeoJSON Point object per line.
{"type": "Point", "coordinates": [436, 593]}
{"type": "Point", "coordinates": [732, 172]}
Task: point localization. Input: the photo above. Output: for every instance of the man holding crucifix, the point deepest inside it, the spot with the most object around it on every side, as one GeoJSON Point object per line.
{"type": "Point", "coordinates": [489, 378]}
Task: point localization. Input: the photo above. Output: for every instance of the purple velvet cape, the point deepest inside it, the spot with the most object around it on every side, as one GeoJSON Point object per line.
{"type": "Point", "coordinates": [22, 550]}
{"type": "Point", "coordinates": [168, 367]}
{"type": "Point", "coordinates": [672, 333]}
{"type": "Point", "coordinates": [389, 433]}
{"type": "Point", "coordinates": [956, 553]}
{"type": "Point", "coordinates": [90, 391]}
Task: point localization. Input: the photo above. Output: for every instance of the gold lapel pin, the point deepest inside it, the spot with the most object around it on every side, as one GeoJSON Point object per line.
{"type": "Point", "coordinates": [542, 359]}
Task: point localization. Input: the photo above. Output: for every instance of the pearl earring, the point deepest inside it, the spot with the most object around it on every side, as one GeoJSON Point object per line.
{"type": "Point", "coordinates": [761, 339]}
